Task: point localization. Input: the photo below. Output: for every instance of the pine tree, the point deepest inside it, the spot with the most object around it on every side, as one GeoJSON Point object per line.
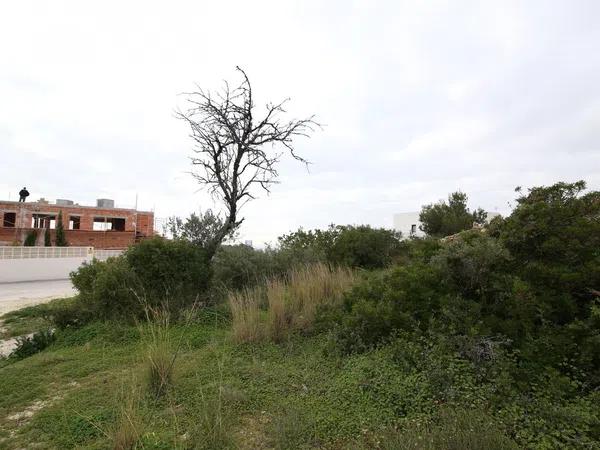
{"type": "Point", "coordinates": [47, 240]}
{"type": "Point", "coordinates": [61, 240]}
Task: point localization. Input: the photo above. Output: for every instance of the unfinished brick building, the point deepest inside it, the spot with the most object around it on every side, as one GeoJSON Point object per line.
{"type": "Point", "coordinates": [102, 226]}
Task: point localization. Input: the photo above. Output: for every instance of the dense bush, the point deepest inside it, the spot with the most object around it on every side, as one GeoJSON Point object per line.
{"type": "Point", "coordinates": [443, 219]}
{"type": "Point", "coordinates": [554, 237]}
{"type": "Point", "coordinates": [169, 269]}
{"type": "Point", "coordinates": [353, 246]}
{"type": "Point", "coordinates": [154, 272]}
{"type": "Point", "coordinates": [519, 304]}
{"type": "Point", "coordinates": [239, 266]}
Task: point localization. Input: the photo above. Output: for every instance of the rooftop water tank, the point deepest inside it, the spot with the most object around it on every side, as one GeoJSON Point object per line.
{"type": "Point", "coordinates": [105, 203]}
{"type": "Point", "coordinates": [64, 202]}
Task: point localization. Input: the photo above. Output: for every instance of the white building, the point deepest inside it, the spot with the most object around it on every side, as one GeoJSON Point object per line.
{"type": "Point", "coordinates": [408, 224]}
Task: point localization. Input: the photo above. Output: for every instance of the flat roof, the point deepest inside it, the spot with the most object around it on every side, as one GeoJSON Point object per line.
{"type": "Point", "coordinates": [44, 204]}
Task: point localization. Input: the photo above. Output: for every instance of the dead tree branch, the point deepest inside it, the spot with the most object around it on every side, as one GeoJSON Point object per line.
{"type": "Point", "coordinates": [236, 152]}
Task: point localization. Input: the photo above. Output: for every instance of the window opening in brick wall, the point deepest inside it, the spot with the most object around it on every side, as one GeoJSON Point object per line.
{"type": "Point", "coordinates": [10, 218]}
{"type": "Point", "coordinates": [43, 221]}
{"type": "Point", "coordinates": [74, 222]}
{"type": "Point", "coordinates": [109, 224]}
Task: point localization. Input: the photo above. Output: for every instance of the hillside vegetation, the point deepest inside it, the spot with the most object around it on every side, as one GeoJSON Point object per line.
{"type": "Point", "coordinates": [347, 337]}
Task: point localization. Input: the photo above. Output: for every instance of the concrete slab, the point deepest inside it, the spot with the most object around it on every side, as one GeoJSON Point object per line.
{"type": "Point", "coordinates": [27, 293]}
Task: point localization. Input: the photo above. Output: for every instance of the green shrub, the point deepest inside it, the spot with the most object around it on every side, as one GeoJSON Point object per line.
{"type": "Point", "coordinates": [351, 246]}
{"type": "Point", "coordinates": [474, 266]}
{"type": "Point", "coordinates": [365, 247]}
{"type": "Point", "coordinates": [175, 270]}
{"type": "Point", "coordinates": [30, 345]}
{"type": "Point", "coordinates": [238, 266]}
{"type": "Point", "coordinates": [155, 272]}
{"type": "Point", "coordinates": [403, 298]}
{"type": "Point", "coordinates": [444, 219]}
{"type": "Point", "coordinates": [30, 239]}
{"type": "Point", "coordinates": [554, 236]}
{"type": "Point", "coordinates": [106, 291]}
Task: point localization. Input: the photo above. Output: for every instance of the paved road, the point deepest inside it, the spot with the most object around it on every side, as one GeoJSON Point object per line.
{"type": "Point", "coordinates": [18, 295]}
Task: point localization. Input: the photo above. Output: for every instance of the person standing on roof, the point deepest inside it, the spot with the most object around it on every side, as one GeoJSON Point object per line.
{"type": "Point", "coordinates": [23, 194]}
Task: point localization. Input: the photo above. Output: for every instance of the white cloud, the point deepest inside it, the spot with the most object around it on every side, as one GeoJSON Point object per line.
{"type": "Point", "coordinates": [418, 98]}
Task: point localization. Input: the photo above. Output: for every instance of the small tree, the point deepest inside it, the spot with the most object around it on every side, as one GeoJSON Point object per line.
{"type": "Point", "coordinates": [233, 147]}
{"type": "Point", "coordinates": [443, 219]}
{"type": "Point", "coordinates": [60, 240]}
{"type": "Point", "coordinates": [47, 239]}
{"type": "Point", "coordinates": [199, 229]}
{"type": "Point", "coordinates": [30, 239]}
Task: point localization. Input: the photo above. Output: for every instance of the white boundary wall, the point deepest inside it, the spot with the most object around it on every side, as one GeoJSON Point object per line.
{"type": "Point", "coordinates": [19, 264]}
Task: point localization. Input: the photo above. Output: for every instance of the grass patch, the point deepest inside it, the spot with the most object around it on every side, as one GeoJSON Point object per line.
{"type": "Point", "coordinates": [291, 394]}
{"type": "Point", "coordinates": [453, 429]}
{"type": "Point", "coordinates": [32, 318]}
{"type": "Point", "coordinates": [281, 307]}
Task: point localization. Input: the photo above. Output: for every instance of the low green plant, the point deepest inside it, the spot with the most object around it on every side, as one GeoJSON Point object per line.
{"type": "Point", "coordinates": [453, 429]}
{"type": "Point", "coordinates": [30, 345]}
{"type": "Point", "coordinates": [292, 429]}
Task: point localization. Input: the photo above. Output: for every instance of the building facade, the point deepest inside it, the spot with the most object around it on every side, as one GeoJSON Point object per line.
{"type": "Point", "coordinates": [102, 226]}
{"type": "Point", "coordinates": [408, 223]}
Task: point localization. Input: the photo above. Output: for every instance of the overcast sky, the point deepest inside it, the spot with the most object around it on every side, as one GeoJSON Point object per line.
{"type": "Point", "coordinates": [419, 98]}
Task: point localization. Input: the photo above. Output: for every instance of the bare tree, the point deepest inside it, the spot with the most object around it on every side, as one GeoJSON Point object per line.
{"type": "Point", "coordinates": [235, 152]}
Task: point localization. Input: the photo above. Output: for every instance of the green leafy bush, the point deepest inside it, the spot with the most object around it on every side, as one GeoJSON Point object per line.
{"type": "Point", "coordinates": [155, 272]}
{"type": "Point", "coordinates": [444, 219]}
{"type": "Point", "coordinates": [352, 246]}
{"type": "Point", "coordinates": [30, 345]}
{"type": "Point", "coordinates": [175, 270]}
{"type": "Point", "coordinates": [30, 239]}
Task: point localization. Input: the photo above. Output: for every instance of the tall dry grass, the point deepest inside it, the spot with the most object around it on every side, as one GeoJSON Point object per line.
{"type": "Point", "coordinates": [284, 306]}
{"type": "Point", "coordinates": [246, 310]}
{"type": "Point", "coordinates": [128, 429]}
{"type": "Point", "coordinates": [160, 351]}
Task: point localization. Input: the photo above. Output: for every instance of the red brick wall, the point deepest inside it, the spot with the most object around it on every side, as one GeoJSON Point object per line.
{"type": "Point", "coordinates": [141, 221]}
{"type": "Point", "coordinates": [145, 223]}
{"type": "Point", "coordinates": [24, 212]}
{"type": "Point", "coordinates": [76, 238]}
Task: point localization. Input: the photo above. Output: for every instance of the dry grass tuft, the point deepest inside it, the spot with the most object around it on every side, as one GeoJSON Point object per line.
{"type": "Point", "coordinates": [160, 351]}
{"type": "Point", "coordinates": [128, 429]}
{"type": "Point", "coordinates": [281, 307]}
{"type": "Point", "coordinates": [246, 311]}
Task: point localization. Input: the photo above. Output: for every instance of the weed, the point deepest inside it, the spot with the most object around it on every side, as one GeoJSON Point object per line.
{"type": "Point", "coordinates": [127, 431]}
